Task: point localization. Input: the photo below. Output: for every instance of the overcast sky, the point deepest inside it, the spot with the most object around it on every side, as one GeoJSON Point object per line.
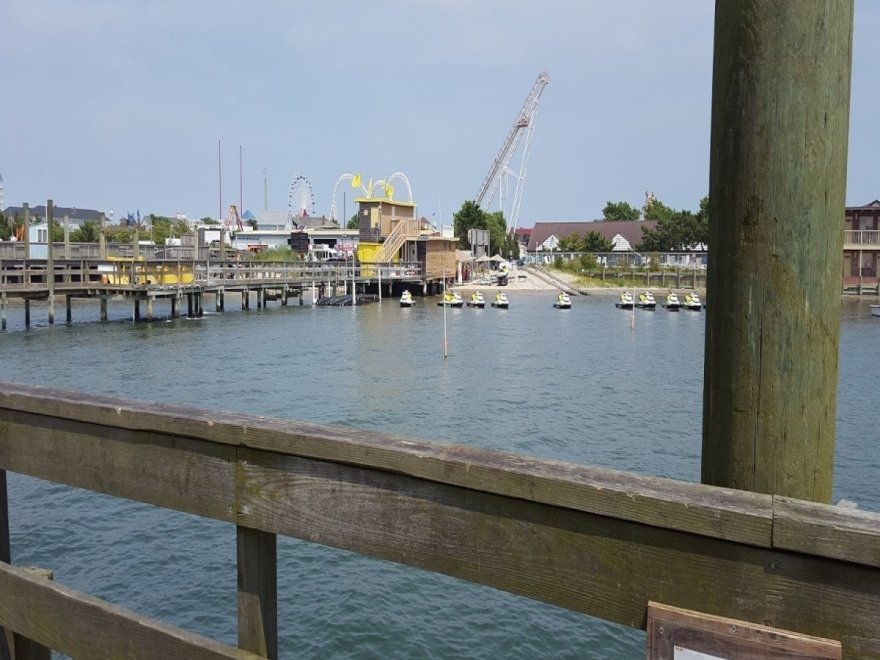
{"type": "Point", "coordinates": [115, 104]}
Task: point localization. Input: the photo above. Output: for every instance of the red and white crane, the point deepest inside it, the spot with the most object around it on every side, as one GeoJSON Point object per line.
{"type": "Point", "coordinates": [523, 126]}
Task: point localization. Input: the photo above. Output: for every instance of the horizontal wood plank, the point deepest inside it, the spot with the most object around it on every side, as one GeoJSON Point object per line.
{"type": "Point", "coordinates": [716, 512]}
{"type": "Point", "coordinates": [670, 627]}
{"type": "Point", "coordinates": [82, 626]}
{"type": "Point", "coordinates": [174, 472]}
{"type": "Point", "coordinates": [817, 529]}
{"type": "Point", "coordinates": [584, 562]}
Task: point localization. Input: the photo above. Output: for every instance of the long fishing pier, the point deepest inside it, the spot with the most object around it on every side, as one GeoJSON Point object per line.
{"type": "Point", "coordinates": [188, 282]}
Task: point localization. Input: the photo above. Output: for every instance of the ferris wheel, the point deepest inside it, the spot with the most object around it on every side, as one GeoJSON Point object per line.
{"type": "Point", "coordinates": [300, 198]}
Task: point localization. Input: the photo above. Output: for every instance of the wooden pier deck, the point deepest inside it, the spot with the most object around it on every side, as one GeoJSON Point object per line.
{"type": "Point", "coordinates": [143, 283]}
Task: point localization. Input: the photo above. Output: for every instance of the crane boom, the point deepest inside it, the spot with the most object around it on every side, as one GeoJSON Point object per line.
{"type": "Point", "coordinates": [522, 124]}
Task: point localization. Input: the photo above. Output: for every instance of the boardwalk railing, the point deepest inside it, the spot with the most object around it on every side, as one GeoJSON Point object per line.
{"type": "Point", "coordinates": [593, 540]}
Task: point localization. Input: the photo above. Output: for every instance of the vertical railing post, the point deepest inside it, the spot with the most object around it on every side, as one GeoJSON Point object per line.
{"type": "Point", "coordinates": [50, 261]}
{"type": "Point", "coordinates": [257, 592]}
{"type": "Point", "coordinates": [777, 180]}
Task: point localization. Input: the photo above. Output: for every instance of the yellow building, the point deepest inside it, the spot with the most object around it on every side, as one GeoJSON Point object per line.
{"type": "Point", "coordinates": [389, 231]}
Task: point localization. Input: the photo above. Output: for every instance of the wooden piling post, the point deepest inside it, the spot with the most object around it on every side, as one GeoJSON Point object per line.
{"type": "Point", "coordinates": [68, 305]}
{"type": "Point", "coordinates": [137, 309]}
{"type": "Point", "coordinates": [25, 208]}
{"type": "Point", "coordinates": [3, 311]}
{"type": "Point", "coordinates": [103, 307]}
{"type": "Point", "coordinates": [50, 262]}
{"type": "Point", "coordinates": [27, 313]}
{"type": "Point", "coordinates": [780, 108]}
{"type": "Point", "coordinates": [257, 592]}
{"type": "Point", "coordinates": [150, 308]}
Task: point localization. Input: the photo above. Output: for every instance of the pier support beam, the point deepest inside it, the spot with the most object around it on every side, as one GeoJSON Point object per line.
{"type": "Point", "coordinates": [780, 121]}
{"type": "Point", "coordinates": [257, 592]}
{"type": "Point", "coordinates": [3, 311]}
{"type": "Point", "coordinates": [189, 305]}
{"type": "Point", "coordinates": [103, 308]}
{"type": "Point", "coordinates": [175, 306]}
{"type": "Point", "coordinates": [27, 313]}
{"type": "Point", "coordinates": [137, 309]}
{"type": "Point", "coordinates": [68, 309]}
{"type": "Point", "coordinates": [150, 308]}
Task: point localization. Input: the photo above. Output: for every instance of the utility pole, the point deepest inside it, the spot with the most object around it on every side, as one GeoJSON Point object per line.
{"type": "Point", "coordinates": [780, 122]}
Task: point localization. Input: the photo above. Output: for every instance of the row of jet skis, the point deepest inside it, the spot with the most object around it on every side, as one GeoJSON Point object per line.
{"type": "Point", "coordinates": [671, 302]}
{"type": "Point", "coordinates": [454, 299]}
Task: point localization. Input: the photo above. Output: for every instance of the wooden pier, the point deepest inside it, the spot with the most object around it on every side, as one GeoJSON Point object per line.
{"type": "Point", "coordinates": [179, 283]}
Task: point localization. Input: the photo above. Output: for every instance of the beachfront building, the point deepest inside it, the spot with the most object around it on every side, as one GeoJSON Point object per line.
{"type": "Point", "coordinates": [390, 231]}
{"type": "Point", "coordinates": [861, 246]}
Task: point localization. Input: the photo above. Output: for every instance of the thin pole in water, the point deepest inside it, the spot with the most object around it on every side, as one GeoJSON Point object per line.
{"type": "Point", "coordinates": [445, 341]}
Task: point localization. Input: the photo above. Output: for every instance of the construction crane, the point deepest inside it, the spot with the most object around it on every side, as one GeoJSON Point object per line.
{"type": "Point", "coordinates": [523, 125]}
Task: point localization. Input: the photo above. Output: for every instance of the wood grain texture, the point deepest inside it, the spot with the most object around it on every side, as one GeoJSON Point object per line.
{"type": "Point", "coordinates": [584, 562]}
{"type": "Point", "coordinates": [715, 512]}
{"type": "Point", "coordinates": [165, 470]}
{"type": "Point", "coordinates": [81, 626]}
{"type": "Point", "coordinates": [777, 183]}
{"type": "Point", "coordinates": [669, 627]}
{"type": "Point", "coordinates": [816, 529]}
{"type": "Point", "coordinates": [257, 591]}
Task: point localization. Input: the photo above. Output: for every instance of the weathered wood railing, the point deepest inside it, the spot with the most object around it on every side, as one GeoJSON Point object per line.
{"type": "Point", "coordinates": [593, 540]}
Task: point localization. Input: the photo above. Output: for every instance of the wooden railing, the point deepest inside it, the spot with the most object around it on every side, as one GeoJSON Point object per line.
{"type": "Point", "coordinates": [406, 228]}
{"type": "Point", "coordinates": [866, 238]}
{"type": "Point", "coordinates": [593, 540]}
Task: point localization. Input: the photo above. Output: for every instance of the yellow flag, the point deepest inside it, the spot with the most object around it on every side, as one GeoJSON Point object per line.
{"type": "Point", "coordinates": [356, 181]}
{"type": "Point", "coordinates": [389, 191]}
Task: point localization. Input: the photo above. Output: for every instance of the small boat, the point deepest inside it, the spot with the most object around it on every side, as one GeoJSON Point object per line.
{"type": "Point", "coordinates": [562, 301]}
{"type": "Point", "coordinates": [406, 299]}
{"type": "Point", "coordinates": [625, 301]}
{"type": "Point", "coordinates": [646, 301]}
{"type": "Point", "coordinates": [477, 300]}
{"type": "Point", "coordinates": [692, 301]}
{"type": "Point", "coordinates": [672, 303]}
{"type": "Point", "coordinates": [500, 300]}
{"type": "Point", "coordinates": [875, 310]}
{"type": "Point", "coordinates": [451, 299]}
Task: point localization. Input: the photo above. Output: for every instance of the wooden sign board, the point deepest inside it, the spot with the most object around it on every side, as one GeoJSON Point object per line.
{"type": "Point", "coordinates": [678, 634]}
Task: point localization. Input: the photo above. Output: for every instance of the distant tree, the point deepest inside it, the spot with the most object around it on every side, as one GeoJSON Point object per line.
{"type": "Point", "coordinates": [570, 243]}
{"type": "Point", "coordinates": [180, 228]}
{"type": "Point", "coordinates": [207, 220]}
{"type": "Point", "coordinates": [596, 242]}
{"type": "Point", "coordinates": [353, 222]}
{"type": "Point", "coordinates": [252, 222]}
{"type": "Point", "coordinates": [88, 232]}
{"type": "Point", "coordinates": [675, 230]}
{"type": "Point", "coordinates": [470, 216]}
{"type": "Point", "coordinates": [5, 228]}
{"type": "Point", "coordinates": [161, 229]}
{"type": "Point", "coordinates": [620, 211]}
{"type": "Point", "coordinates": [657, 210]}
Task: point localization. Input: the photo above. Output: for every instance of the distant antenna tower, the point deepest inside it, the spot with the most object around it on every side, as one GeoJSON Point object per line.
{"type": "Point", "coordinates": [2, 204]}
{"type": "Point", "coordinates": [522, 125]}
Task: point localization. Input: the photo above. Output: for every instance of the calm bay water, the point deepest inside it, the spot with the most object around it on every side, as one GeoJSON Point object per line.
{"type": "Point", "coordinates": [572, 385]}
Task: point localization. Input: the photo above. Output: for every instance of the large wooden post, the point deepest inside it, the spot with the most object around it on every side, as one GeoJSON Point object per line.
{"type": "Point", "coordinates": [780, 113]}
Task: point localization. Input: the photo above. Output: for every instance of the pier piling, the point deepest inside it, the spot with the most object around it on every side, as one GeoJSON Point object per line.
{"type": "Point", "coordinates": [780, 118]}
